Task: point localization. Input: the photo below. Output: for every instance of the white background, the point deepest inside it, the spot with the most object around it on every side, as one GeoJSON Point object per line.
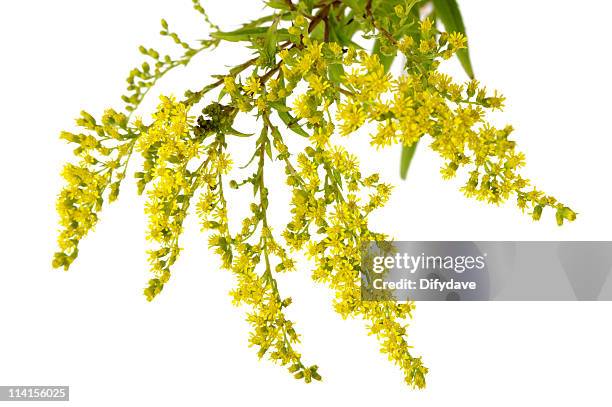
{"type": "Point", "coordinates": [91, 328]}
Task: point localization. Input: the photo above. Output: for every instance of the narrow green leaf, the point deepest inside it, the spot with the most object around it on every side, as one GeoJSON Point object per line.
{"type": "Point", "coordinates": [283, 113]}
{"type": "Point", "coordinates": [278, 4]}
{"type": "Point", "coordinates": [268, 50]}
{"type": "Point", "coordinates": [235, 132]}
{"type": "Point", "coordinates": [450, 15]}
{"type": "Point", "coordinates": [291, 122]}
{"type": "Point", "coordinates": [280, 105]}
{"type": "Point", "coordinates": [269, 150]}
{"type": "Point", "coordinates": [385, 60]}
{"type": "Point", "coordinates": [248, 34]}
{"type": "Point", "coordinates": [342, 30]}
{"type": "Point", "coordinates": [271, 39]}
{"type": "Point", "coordinates": [337, 34]}
{"type": "Point", "coordinates": [336, 72]}
{"type": "Point", "coordinates": [407, 155]}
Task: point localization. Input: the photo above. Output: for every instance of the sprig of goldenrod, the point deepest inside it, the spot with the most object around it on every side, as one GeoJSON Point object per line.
{"type": "Point", "coordinates": [103, 150]}
{"type": "Point", "coordinates": [143, 78]}
{"type": "Point", "coordinates": [307, 79]}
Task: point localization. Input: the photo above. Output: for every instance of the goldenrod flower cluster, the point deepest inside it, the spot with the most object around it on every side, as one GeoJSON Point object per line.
{"type": "Point", "coordinates": [167, 147]}
{"type": "Point", "coordinates": [103, 150]}
{"type": "Point", "coordinates": [308, 80]}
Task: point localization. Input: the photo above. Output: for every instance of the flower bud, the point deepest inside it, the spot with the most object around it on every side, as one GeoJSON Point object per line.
{"type": "Point", "coordinates": [559, 217]}
{"type": "Point", "coordinates": [537, 212]}
{"type": "Point", "coordinates": [568, 214]}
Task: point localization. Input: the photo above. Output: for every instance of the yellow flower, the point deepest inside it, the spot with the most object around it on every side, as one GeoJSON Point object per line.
{"type": "Point", "coordinates": [301, 106]}
{"type": "Point", "coordinates": [352, 117]}
{"type": "Point", "coordinates": [457, 40]}
{"type": "Point", "coordinates": [252, 85]}
{"type": "Point", "coordinates": [317, 85]}
{"type": "Point", "coordinates": [426, 25]}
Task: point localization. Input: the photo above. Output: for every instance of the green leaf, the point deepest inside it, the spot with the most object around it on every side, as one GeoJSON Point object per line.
{"type": "Point", "coordinates": [337, 34]}
{"type": "Point", "coordinates": [269, 47]}
{"type": "Point", "coordinates": [385, 60]}
{"type": "Point", "coordinates": [269, 150]}
{"type": "Point", "coordinates": [336, 72]}
{"type": "Point", "coordinates": [450, 15]}
{"type": "Point", "coordinates": [407, 155]}
{"type": "Point", "coordinates": [248, 34]}
{"type": "Point", "coordinates": [291, 122]}
{"type": "Point", "coordinates": [283, 113]}
{"type": "Point", "coordinates": [342, 28]}
{"type": "Point", "coordinates": [278, 4]}
{"type": "Point", "coordinates": [235, 132]}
